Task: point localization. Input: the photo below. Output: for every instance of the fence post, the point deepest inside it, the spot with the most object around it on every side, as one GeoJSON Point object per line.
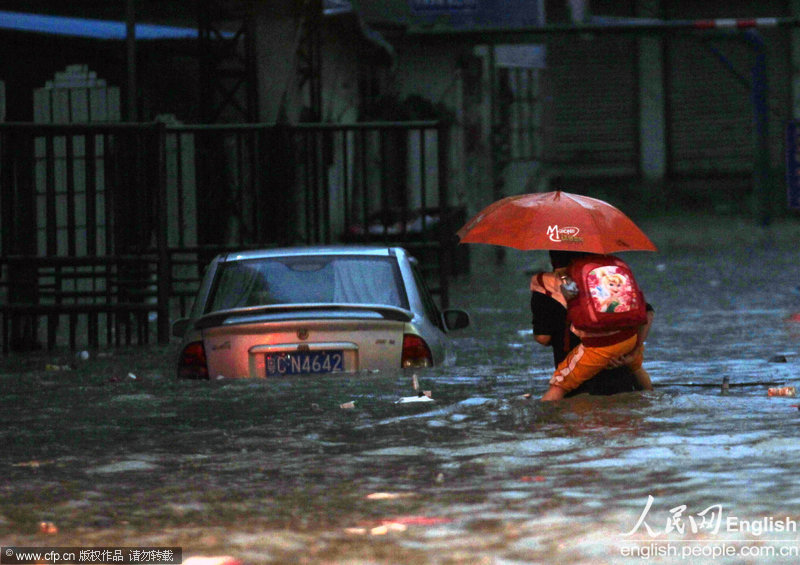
{"type": "Point", "coordinates": [162, 228]}
{"type": "Point", "coordinates": [445, 229]}
{"type": "Point", "coordinates": [20, 237]}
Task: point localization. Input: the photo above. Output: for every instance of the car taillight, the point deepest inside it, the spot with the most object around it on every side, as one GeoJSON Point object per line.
{"type": "Point", "coordinates": [192, 362]}
{"type": "Point", "coordinates": [416, 352]}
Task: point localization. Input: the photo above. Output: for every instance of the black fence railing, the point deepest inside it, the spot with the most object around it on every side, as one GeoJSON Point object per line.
{"type": "Point", "coordinates": [105, 229]}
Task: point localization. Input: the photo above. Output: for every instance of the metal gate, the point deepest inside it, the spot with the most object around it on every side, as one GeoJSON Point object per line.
{"type": "Point", "coordinates": [82, 233]}
{"type": "Point", "coordinates": [106, 228]}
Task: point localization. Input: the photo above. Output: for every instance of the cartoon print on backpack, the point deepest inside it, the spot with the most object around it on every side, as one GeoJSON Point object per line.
{"type": "Point", "coordinates": [610, 289]}
{"type": "Point", "coordinates": [606, 295]}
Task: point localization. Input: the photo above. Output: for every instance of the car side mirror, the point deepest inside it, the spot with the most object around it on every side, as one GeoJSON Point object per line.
{"type": "Point", "coordinates": [180, 326]}
{"type": "Point", "coordinates": [455, 319]}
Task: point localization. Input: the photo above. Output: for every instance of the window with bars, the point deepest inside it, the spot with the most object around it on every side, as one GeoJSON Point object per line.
{"type": "Point", "coordinates": [525, 114]}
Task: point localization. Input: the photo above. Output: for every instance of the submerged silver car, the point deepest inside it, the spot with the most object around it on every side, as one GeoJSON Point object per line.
{"type": "Point", "coordinates": [282, 312]}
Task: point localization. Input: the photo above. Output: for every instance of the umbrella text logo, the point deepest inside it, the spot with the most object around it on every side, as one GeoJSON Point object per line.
{"type": "Point", "coordinates": [564, 235]}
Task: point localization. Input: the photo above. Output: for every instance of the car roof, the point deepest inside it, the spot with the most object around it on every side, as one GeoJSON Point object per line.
{"type": "Point", "coordinates": [304, 251]}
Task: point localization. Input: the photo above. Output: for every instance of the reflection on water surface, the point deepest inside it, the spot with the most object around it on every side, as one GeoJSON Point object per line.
{"type": "Point", "coordinates": [279, 472]}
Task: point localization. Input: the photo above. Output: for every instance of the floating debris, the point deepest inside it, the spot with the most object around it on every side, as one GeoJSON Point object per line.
{"type": "Point", "coordinates": [33, 464]}
{"type": "Point", "coordinates": [532, 479]}
{"type": "Point", "coordinates": [422, 396]}
{"type": "Point", "coordinates": [48, 528]}
{"type": "Point", "coordinates": [388, 495]}
{"type": "Point", "coordinates": [417, 520]}
{"type": "Point", "coordinates": [410, 399]}
{"type": "Point", "coordinates": [782, 391]}
{"type": "Point", "coordinates": [731, 385]}
{"type": "Point", "coordinates": [397, 524]}
{"type": "Point", "coordinates": [348, 405]}
{"type": "Point", "coordinates": [384, 529]}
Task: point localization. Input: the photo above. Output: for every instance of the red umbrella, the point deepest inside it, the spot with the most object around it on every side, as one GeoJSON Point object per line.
{"type": "Point", "coordinates": [555, 221]}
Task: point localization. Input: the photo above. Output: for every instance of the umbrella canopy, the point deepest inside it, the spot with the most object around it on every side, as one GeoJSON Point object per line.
{"type": "Point", "coordinates": [555, 221]}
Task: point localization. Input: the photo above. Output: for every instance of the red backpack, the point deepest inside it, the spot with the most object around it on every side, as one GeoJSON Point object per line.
{"type": "Point", "coordinates": [608, 296]}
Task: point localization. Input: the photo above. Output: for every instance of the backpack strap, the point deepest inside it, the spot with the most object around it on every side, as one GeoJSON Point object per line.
{"type": "Point", "coordinates": [548, 284]}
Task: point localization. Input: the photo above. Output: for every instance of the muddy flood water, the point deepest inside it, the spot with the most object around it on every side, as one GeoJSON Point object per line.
{"type": "Point", "coordinates": [279, 472]}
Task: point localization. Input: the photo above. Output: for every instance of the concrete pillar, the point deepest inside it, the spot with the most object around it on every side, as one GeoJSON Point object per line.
{"type": "Point", "coordinates": [652, 115]}
{"type": "Point", "coordinates": [277, 38]}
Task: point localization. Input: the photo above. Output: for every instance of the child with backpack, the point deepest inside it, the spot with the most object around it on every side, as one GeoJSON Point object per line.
{"type": "Point", "coordinates": [607, 310]}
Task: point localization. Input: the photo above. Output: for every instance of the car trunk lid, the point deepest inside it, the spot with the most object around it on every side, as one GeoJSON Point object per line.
{"type": "Point", "coordinates": [283, 340]}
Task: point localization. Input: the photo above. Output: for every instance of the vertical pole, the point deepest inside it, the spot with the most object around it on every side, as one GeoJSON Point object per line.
{"type": "Point", "coordinates": [204, 47]}
{"type": "Point", "coordinates": [314, 20]}
{"type": "Point", "coordinates": [90, 191]}
{"type": "Point", "coordinates": [51, 231]}
{"type": "Point", "coordinates": [650, 60]}
{"type": "Point", "coordinates": [20, 237]}
{"type": "Point", "coordinates": [445, 231]}
{"type": "Point", "coordinates": [760, 100]}
{"type": "Point", "coordinates": [130, 47]}
{"type": "Point", "coordinates": [495, 141]}
{"type": "Point", "coordinates": [346, 179]}
{"type": "Point", "coordinates": [162, 227]}
{"type": "Point", "coordinates": [71, 223]}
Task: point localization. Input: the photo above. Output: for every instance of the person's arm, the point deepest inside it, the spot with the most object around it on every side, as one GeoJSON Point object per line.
{"type": "Point", "coordinates": [644, 330]}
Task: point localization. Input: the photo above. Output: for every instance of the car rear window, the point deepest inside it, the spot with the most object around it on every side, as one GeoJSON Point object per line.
{"type": "Point", "coordinates": [308, 280]}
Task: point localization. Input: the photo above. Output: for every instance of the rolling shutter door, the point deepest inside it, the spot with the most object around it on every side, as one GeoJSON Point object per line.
{"type": "Point", "coordinates": [709, 107]}
{"type": "Point", "coordinates": [710, 114]}
{"type": "Point", "coordinates": [591, 127]}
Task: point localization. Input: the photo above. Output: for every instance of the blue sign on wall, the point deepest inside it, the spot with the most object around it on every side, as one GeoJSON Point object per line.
{"type": "Point", "coordinates": [793, 164]}
{"type": "Point", "coordinates": [467, 14]}
{"type": "Point", "coordinates": [442, 5]}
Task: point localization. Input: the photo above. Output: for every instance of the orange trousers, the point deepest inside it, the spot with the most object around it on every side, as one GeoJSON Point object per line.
{"type": "Point", "coordinates": [582, 363]}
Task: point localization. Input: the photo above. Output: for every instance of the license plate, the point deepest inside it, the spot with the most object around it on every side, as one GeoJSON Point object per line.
{"type": "Point", "coordinates": [300, 362]}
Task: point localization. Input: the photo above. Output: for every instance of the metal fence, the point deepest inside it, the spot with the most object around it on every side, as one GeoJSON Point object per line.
{"type": "Point", "coordinates": [106, 228]}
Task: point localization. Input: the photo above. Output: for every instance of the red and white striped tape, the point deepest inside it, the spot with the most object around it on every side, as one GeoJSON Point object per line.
{"type": "Point", "coordinates": [732, 23]}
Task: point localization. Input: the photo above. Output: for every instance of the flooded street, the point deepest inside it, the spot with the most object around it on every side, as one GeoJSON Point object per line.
{"type": "Point", "coordinates": [117, 452]}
